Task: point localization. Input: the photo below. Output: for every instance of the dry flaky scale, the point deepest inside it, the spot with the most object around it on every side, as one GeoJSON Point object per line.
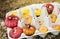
{"type": "Point", "coordinates": [43, 19]}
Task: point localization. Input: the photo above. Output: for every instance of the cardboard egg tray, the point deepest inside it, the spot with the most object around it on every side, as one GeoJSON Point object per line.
{"type": "Point", "coordinates": [44, 16]}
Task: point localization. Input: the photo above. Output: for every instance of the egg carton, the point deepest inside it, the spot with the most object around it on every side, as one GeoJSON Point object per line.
{"type": "Point", "coordinates": [44, 16]}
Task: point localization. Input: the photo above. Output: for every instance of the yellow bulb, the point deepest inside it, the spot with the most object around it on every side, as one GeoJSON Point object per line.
{"type": "Point", "coordinates": [56, 27]}
{"type": "Point", "coordinates": [25, 12]}
{"type": "Point", "coordinates": [43, 29]}
{"type": "Point", "coordinates": [12, 13]}
{"type": "Point", "coordinates": [53, 18]}
{"type": "Point", "coordinates": [29, 20]}
{"type": "Point", "coordinates": [37, 12]}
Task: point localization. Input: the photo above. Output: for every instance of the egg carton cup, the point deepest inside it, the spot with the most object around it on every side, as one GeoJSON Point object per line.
{"type": "Point", "coordinates": [43, 16]}
{"type": "Point", "coordinates": [34, 7]}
